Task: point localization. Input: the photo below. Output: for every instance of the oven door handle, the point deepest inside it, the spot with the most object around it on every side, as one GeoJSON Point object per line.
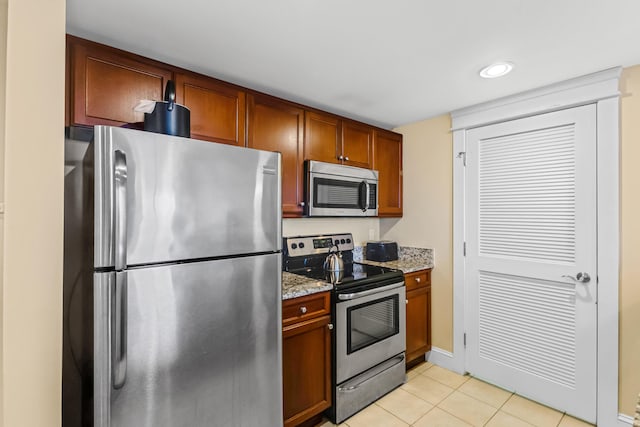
{"type": "Point", "coordinates": [347, 297]}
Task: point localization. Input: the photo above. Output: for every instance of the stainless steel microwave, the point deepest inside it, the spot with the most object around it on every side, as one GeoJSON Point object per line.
{"type": "Point", "coordinates": [338, 190]}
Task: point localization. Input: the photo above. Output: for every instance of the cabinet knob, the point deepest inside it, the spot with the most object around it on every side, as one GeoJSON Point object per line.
{"type": "Point", "coordinates": [303, 309]}
{"type": "Point", "coordinates": [340, 157]}
{"type": "Point", "coordinates": [347, 158]}
{"type": "Point", "coordinates": [417, 280]}
{"type": "Point", "coordinates": [302, 204]}
{"type": "Point", "coordinates": [330, 326]}
{"type": "Point", "coordinates": [406, 301]}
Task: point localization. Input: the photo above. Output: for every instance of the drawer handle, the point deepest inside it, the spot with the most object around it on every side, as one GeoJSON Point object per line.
{"type": "Point", "coordinates": [417, 280]}
{"type": "Point", "coordinates": [303, 310]}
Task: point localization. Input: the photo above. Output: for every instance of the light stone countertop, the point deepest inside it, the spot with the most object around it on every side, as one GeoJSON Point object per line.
{"type": "Point", "coordinates": [294, 285]}
{"type": "Point", "coordinates": [409, 260]}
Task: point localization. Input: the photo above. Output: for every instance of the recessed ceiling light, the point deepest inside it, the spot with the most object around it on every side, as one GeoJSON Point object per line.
{"type": "Point", "coordinates": [497, 69]}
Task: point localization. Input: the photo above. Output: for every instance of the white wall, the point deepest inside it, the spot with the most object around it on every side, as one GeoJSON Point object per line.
{"type": "Point", "coordinates": [33, 219]}
{"type": "Point", "coordinates": [428, 213]}
{"type": "Point", "coordinates": [3, 74]}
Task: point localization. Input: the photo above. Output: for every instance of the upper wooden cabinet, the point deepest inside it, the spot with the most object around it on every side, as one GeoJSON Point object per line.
{"type": "Point", "coordinates": [217, 109]}
{"type": "Point", "coordinates": [387, 160]}
{"type": "Point", "coordinates": [275, 125]}
{"type": "Point", "coordinates": [330, 139]}
{"type": "Point", "coordinates": [105, 84]}
{"type": "Point", "coordinates": [357, 144]}
{"type": "Point", "coordinates": [322, 136]}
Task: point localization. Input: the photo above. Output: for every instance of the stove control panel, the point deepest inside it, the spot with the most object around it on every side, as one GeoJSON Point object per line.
{"type": "Point", "coordinates": [322, 244]}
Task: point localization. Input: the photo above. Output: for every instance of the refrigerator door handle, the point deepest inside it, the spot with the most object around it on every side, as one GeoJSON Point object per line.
{"type": "Point", "coordinates": [120, 185]}
{"type": "Point", "coordinates": [119, 331]}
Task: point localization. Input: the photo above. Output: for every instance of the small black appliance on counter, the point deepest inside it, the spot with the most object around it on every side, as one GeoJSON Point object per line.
{"type": "Point", "coordinates": [382, 251]}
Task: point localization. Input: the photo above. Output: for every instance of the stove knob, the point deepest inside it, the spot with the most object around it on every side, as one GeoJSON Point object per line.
{"type": "Point", "coordinates": [337, 242]}
{"type": "Point", "coordinates": [301, 245]}
{"type": "Point", "coordinates": [343, 241]}
{"type": "Point", "coordinates": [294, 246]}
{"type": "Point", "coordinates": [348, 240]}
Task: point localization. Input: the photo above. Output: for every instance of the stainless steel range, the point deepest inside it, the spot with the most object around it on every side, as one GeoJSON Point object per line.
{"type": "Point", "coordinates": [368, 310]}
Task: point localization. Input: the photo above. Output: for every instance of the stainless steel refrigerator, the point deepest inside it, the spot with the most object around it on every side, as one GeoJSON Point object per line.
{"type": "Point", "coordinates": [172, 289]}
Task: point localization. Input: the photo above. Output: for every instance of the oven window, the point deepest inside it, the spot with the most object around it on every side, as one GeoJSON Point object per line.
{"type": "Point", "coordinates": [371, 322]}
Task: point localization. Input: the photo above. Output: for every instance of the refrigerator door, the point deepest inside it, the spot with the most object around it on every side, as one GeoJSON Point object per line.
{"type": "Point", "coordinates": [178, 199]}
{"type": "Point", "coordinates": [203, 345]}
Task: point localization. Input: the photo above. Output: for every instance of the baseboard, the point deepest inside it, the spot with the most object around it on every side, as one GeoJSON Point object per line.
{"type": "Point", "coordinates": [624, 420]}
{"type": "Point", "coordinates": [445, 359]}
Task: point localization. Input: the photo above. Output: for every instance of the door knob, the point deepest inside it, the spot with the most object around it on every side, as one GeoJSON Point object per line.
{"type": "Point", "coordinates": [580, 277]}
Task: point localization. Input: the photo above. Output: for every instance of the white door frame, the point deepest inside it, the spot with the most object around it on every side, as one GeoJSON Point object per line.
{"type": "Point", "coordinates": [602, 89]}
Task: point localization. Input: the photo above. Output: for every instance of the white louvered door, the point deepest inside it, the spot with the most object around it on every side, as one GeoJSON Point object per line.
{"type": "Point", "coordinates": [530, 222]}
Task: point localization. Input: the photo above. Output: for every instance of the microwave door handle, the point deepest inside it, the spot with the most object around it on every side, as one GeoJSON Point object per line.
{"type": "Point", "coordinates": [368, 200]}
{"type": "Point", "coordinates": [362, 196]}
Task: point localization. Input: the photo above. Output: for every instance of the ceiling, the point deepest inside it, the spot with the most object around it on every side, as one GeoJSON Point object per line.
{"type": "Point", "coordinates": [386, 63]}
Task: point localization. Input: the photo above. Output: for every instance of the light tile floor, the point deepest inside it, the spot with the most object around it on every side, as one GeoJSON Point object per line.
{"type": "Point", "coordinates": [436, 397]}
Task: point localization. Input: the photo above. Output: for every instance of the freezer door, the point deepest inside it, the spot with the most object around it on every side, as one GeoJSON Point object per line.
{"type": "Point", "coordinates": [202, 346]}
{"type": "Point", "coordinates": [164, 198]}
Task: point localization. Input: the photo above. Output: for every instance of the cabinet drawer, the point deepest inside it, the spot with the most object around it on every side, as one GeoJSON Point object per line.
{"type": "Point", "coordinates": [307, 307]}
{"type": "Point", "coordinates": [417, 279]}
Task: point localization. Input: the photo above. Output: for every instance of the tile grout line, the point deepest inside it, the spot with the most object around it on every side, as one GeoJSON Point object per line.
{"type": "Point", "coordinates": [501, 406]}
{"type": "Point", "coordinates": [394, 415]}
{"type": "Point", "coordinates": [526, 421]}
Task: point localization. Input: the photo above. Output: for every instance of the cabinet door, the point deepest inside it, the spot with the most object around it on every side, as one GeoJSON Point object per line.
{"type": "Point", "coordinates": [387, 160]}
{"type": "Point", "coordinates": [217, 109]}
{"type": "Point", "coordinates": [274, 125]}
{"type": "Point", "coordinates": [418, 322]}
{"type": "Point", "coordinates": [106, 84]}
{"type": "Point", "coordinates": [322, 137]}
{"type": "Point", "coordinates": [357, 141]}
{"type": "Point", "coordinates": [306, 359]}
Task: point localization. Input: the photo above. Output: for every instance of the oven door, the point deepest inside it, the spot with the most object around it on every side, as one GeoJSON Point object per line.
{"type": "Point", "coordinates": [370, 328]}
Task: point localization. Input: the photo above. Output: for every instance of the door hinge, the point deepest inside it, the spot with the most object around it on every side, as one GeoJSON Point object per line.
{"type": "Point", "coordinates": [464, 339]}
{"type": "Point", "coordinates": [463, 155]}
{"type": "Point", "coordinates": [464, 248]}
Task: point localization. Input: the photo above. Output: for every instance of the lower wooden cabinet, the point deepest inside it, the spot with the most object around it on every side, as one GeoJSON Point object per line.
{"type": "Point", "coordinates": [306, 357]}
{"type": "Point", "coordinates": [418, 286]}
